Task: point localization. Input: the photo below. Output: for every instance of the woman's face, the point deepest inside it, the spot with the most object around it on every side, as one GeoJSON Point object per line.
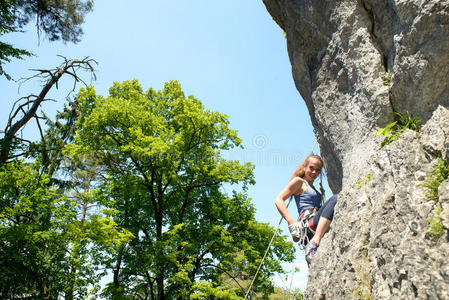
{"type": "Point", "coordinates": [313, 169]}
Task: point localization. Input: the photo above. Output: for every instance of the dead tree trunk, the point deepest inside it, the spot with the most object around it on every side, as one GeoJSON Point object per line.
{"type": "Point", "coordinates": [32, 102]}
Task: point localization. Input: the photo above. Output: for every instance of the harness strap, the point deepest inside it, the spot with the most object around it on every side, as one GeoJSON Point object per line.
{"type": "Point", "coordinates": [311, 225]}
{"type": "Point", "coordinates": [306, 220]}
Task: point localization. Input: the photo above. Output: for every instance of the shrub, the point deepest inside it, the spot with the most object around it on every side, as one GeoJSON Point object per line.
{"type": "Point", "coordinates": [393, 130]}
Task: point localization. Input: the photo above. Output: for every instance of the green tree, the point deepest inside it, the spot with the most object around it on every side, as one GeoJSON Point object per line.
{"type": "Point", "coordinates": [53, 231]}
{"type": "Point", "coordinates": [49, 246]}
{"type": "Point", "coordinates": [57, 19]}
{"type": "Point", "coordinates": [166, 178]}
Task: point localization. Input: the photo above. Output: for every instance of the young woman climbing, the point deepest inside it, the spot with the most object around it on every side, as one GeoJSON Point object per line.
{"type": "Point", "coordinates": [308, 202]}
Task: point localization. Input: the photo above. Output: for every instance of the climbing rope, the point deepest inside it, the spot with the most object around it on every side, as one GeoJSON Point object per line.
{"type": "Point", "coordinates": [266, 252]}
{"type": "Point", "coordinates": [323, 194]}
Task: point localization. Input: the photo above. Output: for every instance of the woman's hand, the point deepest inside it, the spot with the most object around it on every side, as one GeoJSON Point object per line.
{"type": "Point", "coordinates": [295, 231]}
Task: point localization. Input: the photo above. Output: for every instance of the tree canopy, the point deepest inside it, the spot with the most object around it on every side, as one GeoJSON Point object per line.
{"type": "Point", "coordinates": [166, 177]}
{"type": "Point", "coordinates": [133, 184]}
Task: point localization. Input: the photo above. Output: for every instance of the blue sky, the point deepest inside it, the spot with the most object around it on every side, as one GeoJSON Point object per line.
{"type": "Point", "coordinates": [231, 55]}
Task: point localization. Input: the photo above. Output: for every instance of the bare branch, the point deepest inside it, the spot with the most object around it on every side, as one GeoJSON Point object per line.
{"type": "Point", "coordinates": [70, 67]}
{"type": "Point", "coordinates": [12, 115]}
{"type": "Point", "coordinates": [23, 140]}
{"type": "Point", "coordinates": [18, 155]}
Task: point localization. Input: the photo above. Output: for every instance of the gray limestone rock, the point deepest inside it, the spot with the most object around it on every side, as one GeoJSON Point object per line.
{"type": "Point", "coordinates": [379, 245]}
{"type": "Point", "coordinates": [356, 63]}
{"type": "Point", "coordinates": [444, 199]}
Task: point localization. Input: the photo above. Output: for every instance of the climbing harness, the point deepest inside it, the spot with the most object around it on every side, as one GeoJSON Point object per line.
{"type": "Point", "coordinates": [306, 224]}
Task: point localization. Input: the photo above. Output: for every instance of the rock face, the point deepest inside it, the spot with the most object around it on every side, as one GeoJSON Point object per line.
{"type": "Point", "coordinates": [357, 63]}
{"type": "Point", "coordinates": [380, 245]}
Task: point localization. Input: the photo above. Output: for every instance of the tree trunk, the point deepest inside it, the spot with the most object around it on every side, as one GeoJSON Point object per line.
{"type": "Point", "coordinates": [71, 291]}
{"type": "Point", "coordinates": [160, 267]}
{"type": "Point", "coordinates": [117, 269]}
{"type": "Point", "coordinates": [45, 293]}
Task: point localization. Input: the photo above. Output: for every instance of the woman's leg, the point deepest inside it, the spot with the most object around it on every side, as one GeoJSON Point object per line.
{"type": "Point", "coordinates": [323, 227]}
{"type": "Point", "coordinates": [323, 218]}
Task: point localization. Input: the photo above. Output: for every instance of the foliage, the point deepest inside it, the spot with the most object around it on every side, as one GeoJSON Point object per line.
{"type": "Point", "coordinates": [208, 290]}
{"type": "Point", "coordinates": [439, 173]}
{"type": "Point", "coordinates": [7, 51]}
{"type": "Point", "coordinates": [386, 78]}
{"type": "Point", "coordinates": [60, 132]}
{"type": "Point", "coordinates": [42, 239]}
{"type": "Point", "coordinates": [141, 192]}
{"type": "Point", "coordinates": [29, 239]}
{"type": "Point", "coordinates": [281, 294]}
{"type": "Point", "coordinates": [58, 19]}
{"type": "Point", "coordinates": [165, 178]}
{"type": "Point", "coordinates": [436, 224]}
{"type": "Point", "coordinates": [361, 182]}
{"type": "Point", "coordinates": [360, 294]}
{"type": "Point", "coordinates": [393, 130]}
{"type": "Point", "coordinates": [298, 294]}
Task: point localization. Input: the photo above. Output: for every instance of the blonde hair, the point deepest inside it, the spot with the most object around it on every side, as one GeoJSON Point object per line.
{"type": "Point", "coordinates": [301, 169]}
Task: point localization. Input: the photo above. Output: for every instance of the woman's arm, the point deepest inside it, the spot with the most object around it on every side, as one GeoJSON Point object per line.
{"type": "Point", "coordinates": [295, 186]}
